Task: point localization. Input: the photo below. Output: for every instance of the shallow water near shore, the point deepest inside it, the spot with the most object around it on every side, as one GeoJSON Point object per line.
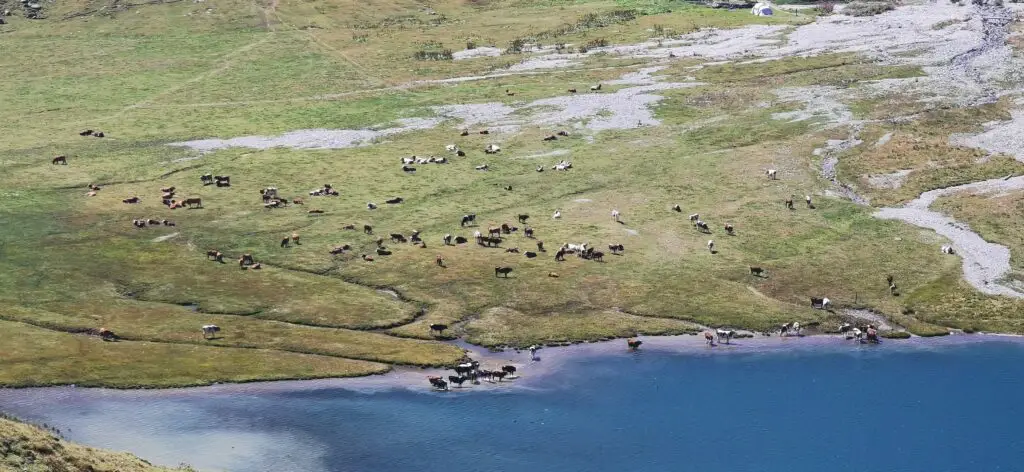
{"type": "Point", "coordinates": [911, 406]}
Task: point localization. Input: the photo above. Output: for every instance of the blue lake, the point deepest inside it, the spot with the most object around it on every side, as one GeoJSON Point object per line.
{"type": "Point", "coordinates": [949, 407]}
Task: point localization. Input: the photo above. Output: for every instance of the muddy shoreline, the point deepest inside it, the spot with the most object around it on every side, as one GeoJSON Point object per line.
{"type": "Point", "coordinates": [531, 375]}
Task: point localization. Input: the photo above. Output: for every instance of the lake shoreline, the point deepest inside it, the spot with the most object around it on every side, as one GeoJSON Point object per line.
{"type": "Point", "coordinates": [532, 374]}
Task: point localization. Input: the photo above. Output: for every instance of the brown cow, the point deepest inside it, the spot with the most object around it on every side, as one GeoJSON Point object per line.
{"type": "Point", "coordinates": [197, 202]}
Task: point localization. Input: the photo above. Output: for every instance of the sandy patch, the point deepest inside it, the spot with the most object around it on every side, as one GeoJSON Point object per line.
{"type": "Point", "coordinates": [476, 52]}
{"type": "Point", "coordinates": [889, 181]}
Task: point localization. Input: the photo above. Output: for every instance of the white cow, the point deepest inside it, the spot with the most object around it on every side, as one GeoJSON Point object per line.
{"type": "Point", "coordinates": [725, 334]}
{"type": "Point", "coordinates": [557, 215]}
{"type": "Point", "coordinates": [947, 250]}
{"type": "Point", "coordinates": [210, 331]}
{"type": "Point", "coordinates": [615, 215]}
{"type": "Point", "coordinates": [711, 245]}
{"type": "Point", "coordinates": [771, 173]}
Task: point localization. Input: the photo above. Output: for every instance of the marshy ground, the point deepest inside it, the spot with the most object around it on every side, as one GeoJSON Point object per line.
{"type": "Point", "coordinates": [695, 105]}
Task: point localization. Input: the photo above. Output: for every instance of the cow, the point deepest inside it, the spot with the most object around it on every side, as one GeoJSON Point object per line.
{"type": "Point", "coordinates": [394, 201]}
{"type": "Point", "coordinates": [677, 208]}
{"type": "Point", "coordinates": [572, 90]}
{"type": "Point", "coordinates": [383, 252]}
{"type": "Point", "coordinates": [460, 240]}
{"type": "Point", "coordinates": [210, 331]}
{"type": "Point", "coordinates": [711, 246]}
{"type": "Point", "coordinates": [789, 203]}
{"type": "Point", "coordinates": [807, 198]}
{"type": "Point", "coordinates": [616, 248]}
{"type": "Point", "coordinates": [694, 218]}
{"type": "Point", "coordinates": [63, 160]}
{"type": "Point", "coordinates": [206, 179]}
{"type": "Point", "coordinates": [447, 239]}
{"type": "Point", "coordinates": [215, 255]}
{"type": "Point", "coordinates": [368, 229]}
{"type": "Point", "coordinates": [530, 254]}
{"type": "Point", "coordinates": [438, 327]}
{"type": "Point", "coordinates": [771, 173]}
{"type": "Point", "coordinates": [503, 271]}
{"type": "Point", "coordinates": [395, 237]}
{"type": "Point", "coordinates": [726, 334]}
{"type": "Point", "coordinates": [756, 271]}
{"type": "Point", "coordinates": [408, 169]}
{"type": "Point", "coordinates": [595, 88]}
{"type": "Point", "coordinates": [551, 138]}
{"type": "Point", "coordinates": [633, 344]}
{"type": "Point", "coordinates": [703, 227]}
{"type": "Point", "coordinates": [730, 230]}
{"type": "Point", "coordinates": [528, 232]}
{"type": "Point", "coordinates": [438, 383]}
{"type": "Point", "coordinates": [131, 200]}
{"type": "Point", "coordinates": [87, 132]}
{"type": "Point", "coordinates": [563, 133]}
{"type": "Point", "coordinates": [193, 202]}
{"type": "Point", "coordinates": [489, 241]}
{"type": "Point", "coordinates": [522, 218]}
{"type": "Point", "coordinates": [494, 232]}
{"type": "Point", "coordinates": [467, 219]}
{"type": "Point", "coordinates": [596, 255]}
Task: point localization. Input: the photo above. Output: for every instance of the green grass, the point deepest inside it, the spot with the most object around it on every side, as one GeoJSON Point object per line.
{"type": "Point", "coordinates": [154, 75]}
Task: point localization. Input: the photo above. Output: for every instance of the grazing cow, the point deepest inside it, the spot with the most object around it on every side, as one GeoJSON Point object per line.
{"type": "Point", "coordinates": [167, 222]}
{"type": "Point", "coordinates": [215, 255]}
{"type": "Point", "coordinates": [284, 241]}
{"type": "Point", "coordinates": [528, 232]}
{"type": "Point", "coordinates": [633, 344]}
{"type": "Point", "coordinates": [168, 189]}
{"type": "Point", "coordinates": [563, 133]}
{"type": "Point", "coordinates": [503, 271]}
{"type": "Point", "coordinates": [756, 271]}
{"type": "Point", "coordinates": [98, 134]}
{"type": "Point", "coordinates": [807, 198]}
{"type": "Point", "coordinates": [560, 255]}
{"type": "Point", "coordinates": [771, 173]}
{"type": "Point", "coordinates": [467, 219]}
{"type": "Point", "coordinates": [703, 227]}
{"type": "Point", "coordinates": [447, 239]}
{"type": "Point", "coordinates": [892, 289]}
{"type": "Point", "coordinates": [522, 218]}
{"type": "Point", "coordinates": [451, 148]}
{"type": "Point", "coordinates": [694, 218]}
{"type": "Point", "coordinates": [513, 250]}
{"type": "Point", "coordinates": [153, 222]}
{"type": "Point", "coordinates": [482, 167]}
{"type": "Point", "coordinates": [464, 133]}
{"type": "Point", "coordinates": [368, 229]}
{"type": "Point", "coordinates": [819, 303]}
{"type": "Point", "coordinates": [540, 168]}
{"type": "Point", "coordinates": [63, 160]}
{"type": "Point", "coordinates": [711, 246]}
{"type": "Point", "coordinates": [298, 201]}
{"type": "Point", "coordinates": [210, 331]}
{"type": "Point", "coordinates": [510, 370]}
{"type": "Point", "coordinates": [87, 132]}
{"type": "Point", "coordinates": [131, 200]}
{"type": "Point", "coordinates": [492, 149]}
{"type": "Point", "coordinates": [789, 203]}
{"type": "Point", "coordinates": [339, 249]}
{"type": "Point", "coordinates": [790, 328]}
{"type": "Point", "coordinates": [139, 223]}
{"type": "Point", "coordinates": [596, 255]}
{"type": "Point", "coordinates": [105, 334]}
{"type": "Point", "coordinates": [556, 215]}
{"type": "Point", "coordinates": [460, 153]}
{"type": "Point", "coordinates": [193, 202]}
{"type": "Point", "coordinates": [551, 138]}
{"type": "Point", "coordinates": [595, 88]}
{"type": "Point", "coordinates": [483, 131]}
{"type": "Point", "coordinates": [394, 201]}
{"type": "Point", "coordinates": [530, 254]}
{"type": "Point", "coordinates": [395, 237]}
{"type": "Point", "coordinates": [615, 216]}
{"type": "Point", "coordinates": [408, 169]}
{"type": "Point", "coordinates": [726, 334]}
{"type": "Point", "coordinates": [947, 250]}
{"type": "Point", "coordinates": [460, 240]}
{"type": "Point", "coordinates": [206, 179]}
{"type": "Point", "coordinates": [572, 90]}
{"type": "Point", "coordinates": [489, 241]}
{"type": "Point", "coordinates": [315, 212]}
{"type": "Point", "coordinates": [730, 230]}
{"type": "Point", "coordinates": [498, 374]}
{"type": "Point", "coordinates": [383, 251]}
{"type": "Point", "coordinates": [349, 227]}
{"type": "Point", "coordinates": [371, 206]}
{"type": "Point", "coordinates": [439, 260]}
{"type": "Point", "coordinates": [540, 246]}
{"type": "Point", "coordinates": [438, 383]}
{"type": "Point", "coordinates": [677, 208]}
{"type": "Point", "coordinates": [709, 338]}
{"type": "Point", "coordinates": [438, 327]}
{"type": "Point", "coordinates": [494, 232]}
{"type": "Point", "coordinates": [616, 248]}
{"type": "Point", "coordinates": [477, 235]}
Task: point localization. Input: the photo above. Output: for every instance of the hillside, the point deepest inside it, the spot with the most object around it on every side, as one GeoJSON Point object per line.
{"type": "Point", "coordinates": [28, 448]}
{"type": "Point", "coordinates": [860, 114]}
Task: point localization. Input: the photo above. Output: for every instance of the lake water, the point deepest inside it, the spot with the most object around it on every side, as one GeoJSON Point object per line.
{"type": "Point", "coordinates": [945, 406]}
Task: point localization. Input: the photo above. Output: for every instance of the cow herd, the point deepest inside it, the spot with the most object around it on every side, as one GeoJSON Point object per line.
{"type": "Point", "coordinates": [472, 373]}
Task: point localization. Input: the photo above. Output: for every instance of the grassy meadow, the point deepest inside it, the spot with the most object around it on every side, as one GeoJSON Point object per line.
{"type": "Point", "coordinates": [157, 74]}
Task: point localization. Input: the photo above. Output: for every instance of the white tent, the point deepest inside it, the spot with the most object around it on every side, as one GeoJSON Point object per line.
{"type": "Point", "coordinates": [762, 9]}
